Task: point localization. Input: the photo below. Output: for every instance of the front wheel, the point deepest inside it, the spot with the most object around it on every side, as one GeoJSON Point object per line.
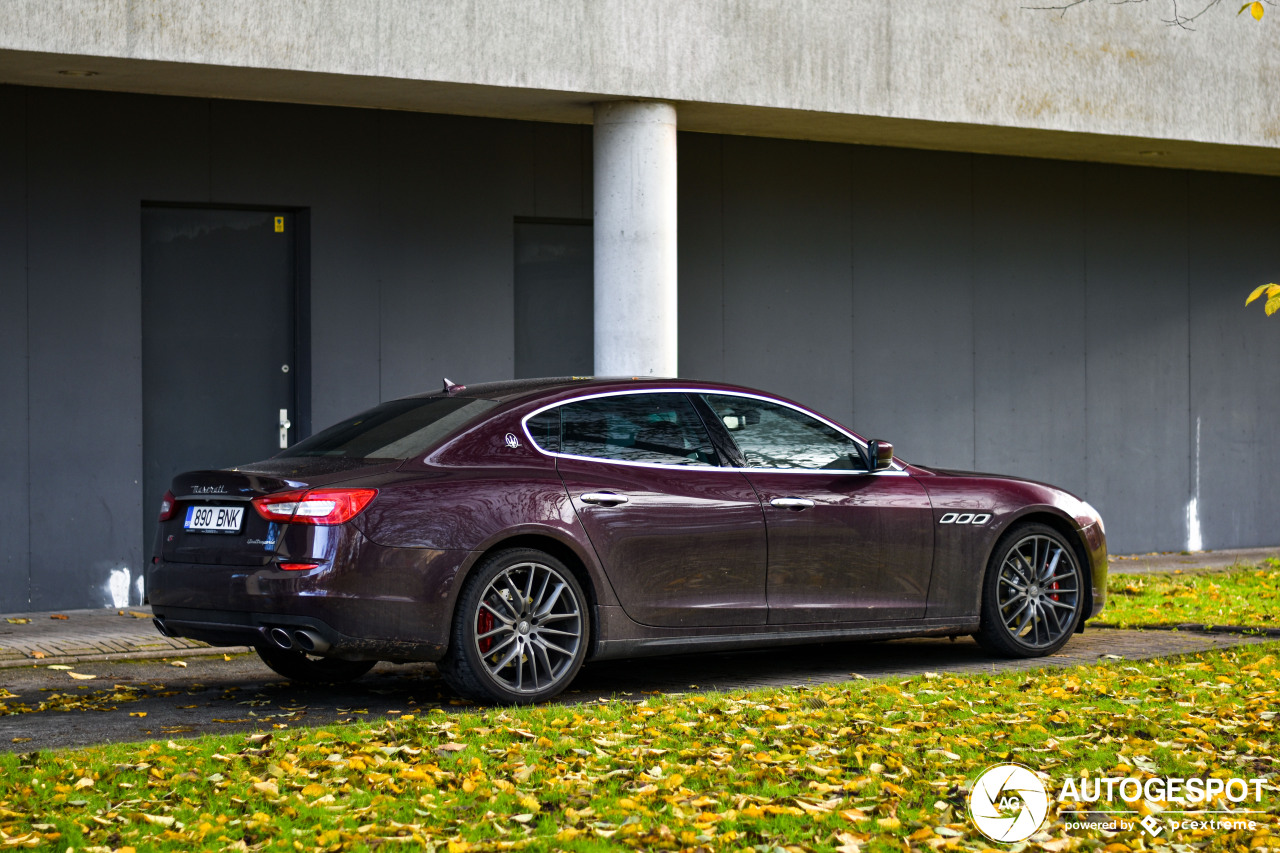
{"type": "Point", "coordinates": [1032, 596]}
{"type": "Point", "coordinates": [299, 666]}
{"type": "Point", "coordinates": [520, 630]}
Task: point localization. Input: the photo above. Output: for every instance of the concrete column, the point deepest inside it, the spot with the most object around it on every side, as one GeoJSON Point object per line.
{"type": "Point", "coordinates": [635, 239]}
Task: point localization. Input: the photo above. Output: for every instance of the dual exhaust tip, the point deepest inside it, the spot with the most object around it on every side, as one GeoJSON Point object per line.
{"type": "Point", "coordinates": [299, 639]}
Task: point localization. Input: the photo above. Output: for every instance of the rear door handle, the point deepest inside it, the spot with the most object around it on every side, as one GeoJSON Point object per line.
{"type": "Point", "coordinates": [604, 498]}
{"type": "Point", "coordinates": [791, 503]}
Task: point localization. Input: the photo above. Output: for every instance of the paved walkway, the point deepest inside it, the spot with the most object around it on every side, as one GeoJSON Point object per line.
{"type": "Point", "coordinates": [74, 636]}
{"type": "Point", "coordinates": [1200, 561]}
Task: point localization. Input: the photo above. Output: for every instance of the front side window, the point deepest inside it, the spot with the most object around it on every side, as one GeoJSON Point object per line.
{"type": "Point", "coordinates": [660, 429]}
{"type": "Point", "coordinates": [771, 435]}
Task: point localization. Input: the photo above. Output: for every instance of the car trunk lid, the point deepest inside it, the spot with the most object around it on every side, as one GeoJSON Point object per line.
{"type": "Point", "coordinates": [214, 522]}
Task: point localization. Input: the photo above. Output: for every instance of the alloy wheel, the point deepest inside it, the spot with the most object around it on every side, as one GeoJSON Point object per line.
{"type": "Point", "coordinates": [528, 628]}
{"type": "Point", "coordinates": [1038, 591]}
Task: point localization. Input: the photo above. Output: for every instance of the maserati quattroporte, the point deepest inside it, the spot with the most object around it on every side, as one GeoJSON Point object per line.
{"type": "Point", "coordinates": [511, 531]}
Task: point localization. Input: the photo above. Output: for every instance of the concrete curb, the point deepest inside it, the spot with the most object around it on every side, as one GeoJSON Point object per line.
{"type": "Point", "coordinates": [1194, 628]}
{"type": "Point", "coordinates": [98, 634]}
{"type": "Point", "coordinates": [150, 654]}
{"type": "Point", "coordinates": [1198, 562]}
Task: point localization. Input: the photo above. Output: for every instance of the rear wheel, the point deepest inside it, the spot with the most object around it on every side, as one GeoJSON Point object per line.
{"type": "Point", "coordinates": [1032, 596]}
{"type": "Point", "coordinates": [520, 630]}
{"type": "Point", "coordinates": [299, 666]}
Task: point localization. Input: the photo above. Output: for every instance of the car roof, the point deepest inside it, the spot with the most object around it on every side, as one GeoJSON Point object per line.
{"type": "Point", "coordinates": [516, 389]}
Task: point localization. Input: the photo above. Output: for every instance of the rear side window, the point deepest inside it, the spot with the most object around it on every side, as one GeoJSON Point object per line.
{"type": "Point", "coordinates": [544, 428]}
{"type": "Point", "coordinates": [657, 429]}
{"type": "Point", "coordinates": [395, 430]}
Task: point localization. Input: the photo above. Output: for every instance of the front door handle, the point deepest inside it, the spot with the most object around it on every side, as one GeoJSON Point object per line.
{"type": "Point", "coordinates": [791, 503]}
{"type": "Point", "coordinates": [604, 498]}
{"type": "Point", "coordinates": [284, 428]}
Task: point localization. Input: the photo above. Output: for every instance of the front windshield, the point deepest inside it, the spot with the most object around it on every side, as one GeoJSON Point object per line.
{"type": "Point", "coordinates": [395, 430]}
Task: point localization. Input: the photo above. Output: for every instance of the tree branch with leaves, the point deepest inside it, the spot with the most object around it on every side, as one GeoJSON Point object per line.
{"type": "Point", "coordinates": [1181, 16]}
{"type": "Point", "coordinates": [1273, 297]}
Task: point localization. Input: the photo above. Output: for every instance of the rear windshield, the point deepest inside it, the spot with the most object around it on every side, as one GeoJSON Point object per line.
{"type": "Point", "coordinates": [395, 430]}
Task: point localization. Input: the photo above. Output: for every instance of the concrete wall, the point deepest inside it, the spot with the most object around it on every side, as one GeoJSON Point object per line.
{"type": "Point", "coordinates": [1102, 81]}
{"type": "Point", "coordinates": [1076, 323]}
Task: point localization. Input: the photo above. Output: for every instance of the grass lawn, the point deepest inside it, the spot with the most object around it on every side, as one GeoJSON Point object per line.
{"type": "Point", "coordinates": [864, 766]}
{"type": "Point", "coordinates": [1248, 596]}
{"type": "Point", "coordinates": [870, 765]}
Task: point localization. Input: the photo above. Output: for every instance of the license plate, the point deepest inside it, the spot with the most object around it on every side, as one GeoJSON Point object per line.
{"type": "Point", "coordinates": [214, 519]}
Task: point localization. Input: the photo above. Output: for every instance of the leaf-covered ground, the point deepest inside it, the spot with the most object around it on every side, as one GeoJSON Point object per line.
{"type": "Point", "coordinates": [868, 765]}
{"type": "Point", "coordinates": [1242, 597]}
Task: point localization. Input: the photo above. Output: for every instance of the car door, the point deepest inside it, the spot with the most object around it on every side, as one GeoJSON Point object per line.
{"type": "Point", "coordinates": [681, 538]}
{"type": "Point", "coordinates": [845, 544]}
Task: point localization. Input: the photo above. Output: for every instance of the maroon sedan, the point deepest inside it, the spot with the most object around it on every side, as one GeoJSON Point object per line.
{"type": "Point", "coordinates": [512, 530]}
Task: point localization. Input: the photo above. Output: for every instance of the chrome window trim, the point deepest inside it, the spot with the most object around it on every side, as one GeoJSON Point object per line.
{"type": "Point", "coordinates": [896, 469]}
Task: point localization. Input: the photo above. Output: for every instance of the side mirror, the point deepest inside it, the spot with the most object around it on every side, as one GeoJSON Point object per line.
{"type": "Point", "coordinates": [880, 454]}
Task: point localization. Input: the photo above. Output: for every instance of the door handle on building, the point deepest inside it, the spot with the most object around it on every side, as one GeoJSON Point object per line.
{"type": "Point", "coordinates": [284, 428]}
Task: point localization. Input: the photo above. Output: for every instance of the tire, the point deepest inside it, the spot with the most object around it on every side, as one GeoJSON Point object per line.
{"type": "Point", "coordinates": [520, 630]}
{"type": "Point", "coordinates": [299, 666]}
{"type": "Point", "coordinates": [1032, 595]}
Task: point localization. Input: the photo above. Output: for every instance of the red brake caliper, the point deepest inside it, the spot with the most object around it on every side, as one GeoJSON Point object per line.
{"type": "Point", "coordinates": [484, 624]}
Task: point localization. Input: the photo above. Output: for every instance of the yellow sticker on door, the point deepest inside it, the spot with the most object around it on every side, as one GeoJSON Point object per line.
{"type": "Point", "coordinates": [279, 224]}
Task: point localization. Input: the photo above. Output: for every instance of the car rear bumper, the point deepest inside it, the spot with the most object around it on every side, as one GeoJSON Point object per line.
{"type": "Point", "coordinates": [230, 628]}
{"type": "Point", "coordinates": [384, 603]}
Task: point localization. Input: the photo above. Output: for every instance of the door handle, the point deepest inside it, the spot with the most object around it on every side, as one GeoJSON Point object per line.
{"type": "Point", "coordinates": [791, 503]}
{"type": "Point", "coordinates": [604, 498]}
{"type": "Point", "coordinates": [284, 428]}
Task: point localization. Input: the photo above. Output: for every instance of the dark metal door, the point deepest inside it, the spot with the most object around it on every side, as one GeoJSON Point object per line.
{"type": "Point", "coordinates": [218, 356]}
{"type": "Point", "coordinates": [554, 301]}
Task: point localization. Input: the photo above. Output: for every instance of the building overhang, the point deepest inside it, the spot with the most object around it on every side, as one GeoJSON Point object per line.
{"type": "Point", "coordinates": [1099, 82]}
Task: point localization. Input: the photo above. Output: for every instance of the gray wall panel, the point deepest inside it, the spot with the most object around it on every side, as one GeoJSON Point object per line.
{"type": "Point", "coordinates": [788, 299]}
{"type": "Point", "coordinates": [913, 303]}
{"type": "Point", "coordinates": [447, 278]}
{"type": "Point", "coordinates": [324, 161]}
{"type": "Point", "coordinates": [1029, 319]}
{"type": "Point", "coordinates": [14, 473]}
{"type": "Point", "coordinates": [554, 169]}
{"type": "Point", "coordinates": [1050, 320]}
{"type": "Point", "coordinates": [1136, 340]}
{"type": "Point", "coordinates": [169, 144]}
{"type": "Point", "coordinates": [1235, 384]}
{"type": "Point", "coordinates": [701, 250]}
{"type": "Point", "coordinates": [85, 343]}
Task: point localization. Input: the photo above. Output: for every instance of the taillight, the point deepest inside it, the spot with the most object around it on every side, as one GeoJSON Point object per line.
{"type": "Point", "coordinates": [167, 506]}
{"type": "Point", "coordinates": [298, 567]}
{"type": "Point", "coordinates": [314, 506]}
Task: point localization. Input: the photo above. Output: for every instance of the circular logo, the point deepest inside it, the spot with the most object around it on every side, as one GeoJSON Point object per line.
{"type": "Point", "coordinates": [512, 441]}
{"type": "Point", "coordinates": [1008, 803]}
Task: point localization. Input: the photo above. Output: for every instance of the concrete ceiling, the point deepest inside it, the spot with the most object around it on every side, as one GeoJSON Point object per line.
{"type": "Point", "coordinates": [116, 74]}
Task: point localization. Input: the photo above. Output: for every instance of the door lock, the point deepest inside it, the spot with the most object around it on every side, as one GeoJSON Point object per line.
{"type": "Point", "coordinates": [284, 428]}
